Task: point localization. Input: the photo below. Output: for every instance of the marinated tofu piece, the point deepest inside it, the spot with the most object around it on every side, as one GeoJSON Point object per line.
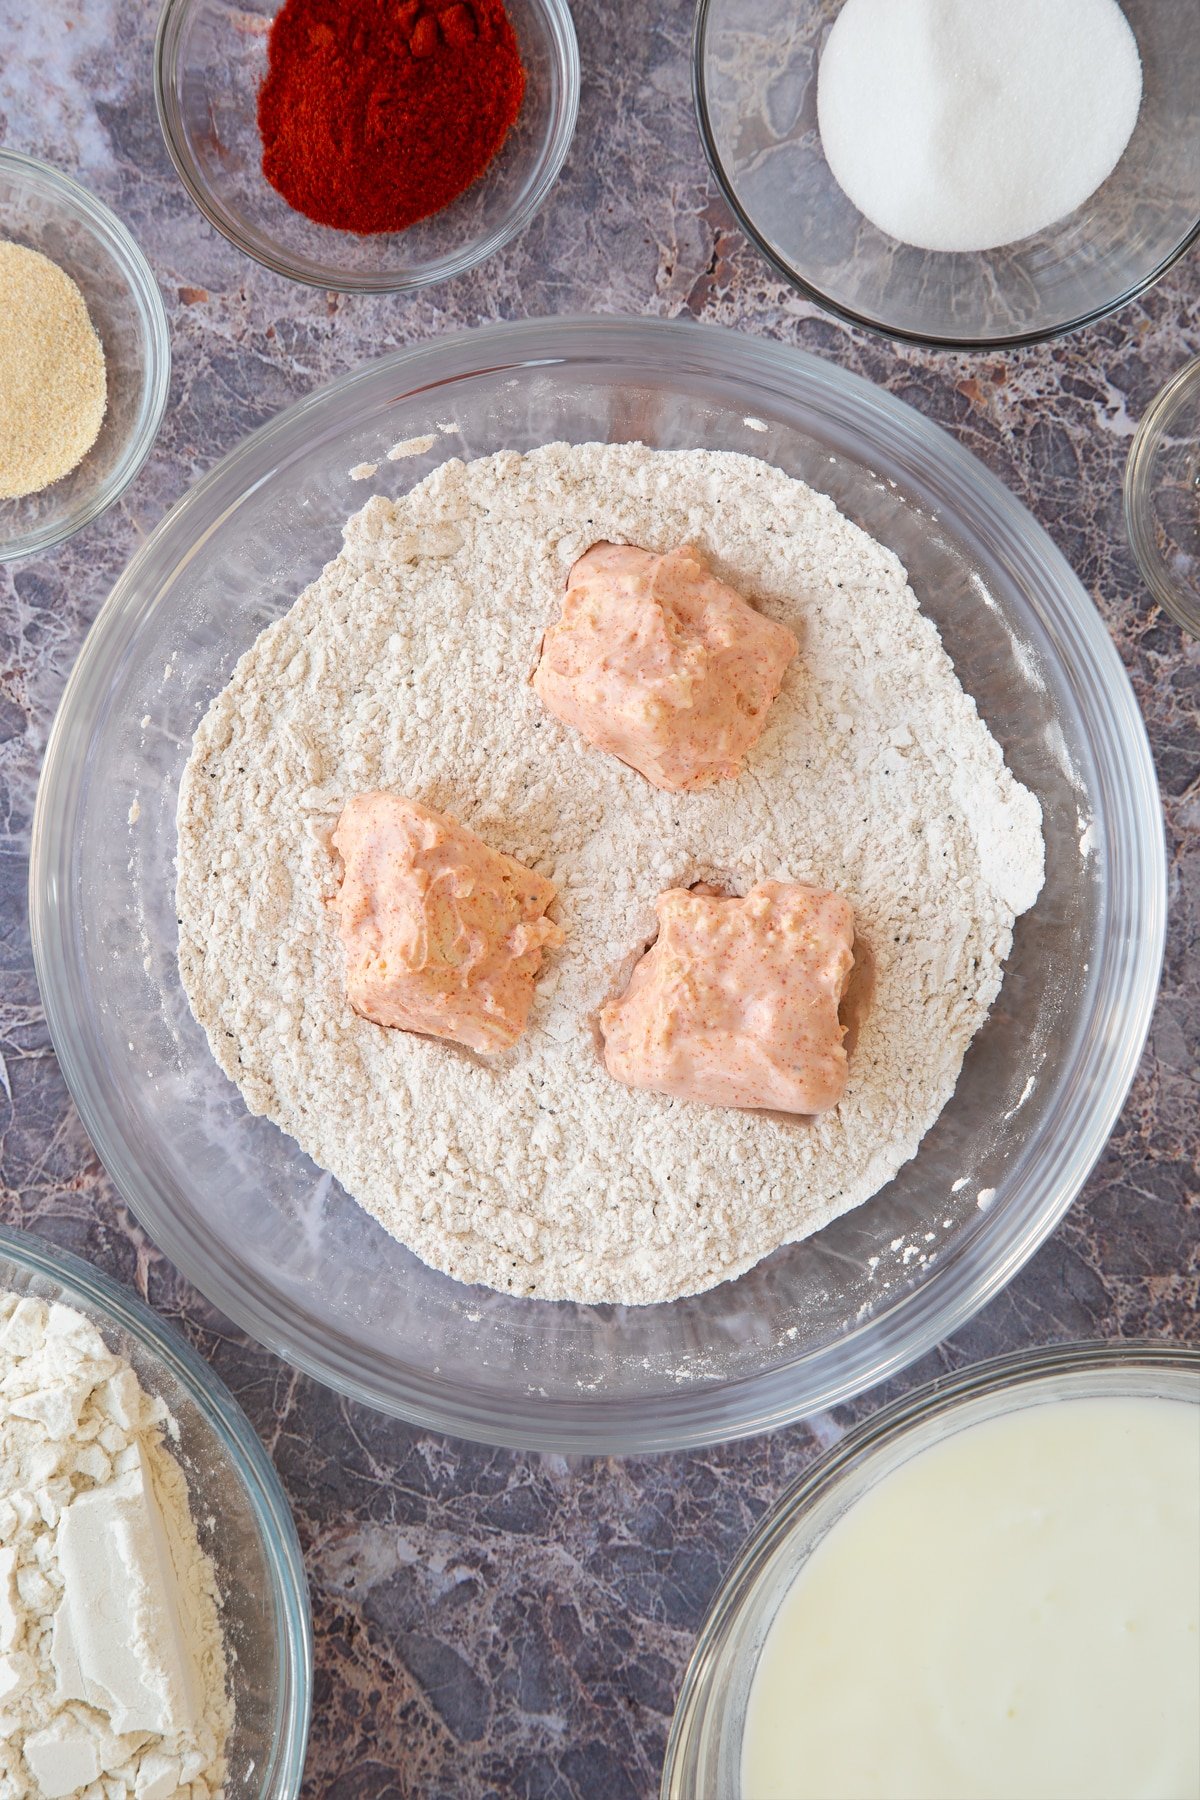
{"type": "Point", "coordinates": [736, 1001]}
{"type": "Point", "coordinates": [658, 662]}
{"type": "Point", "coordinates": [442, 934]}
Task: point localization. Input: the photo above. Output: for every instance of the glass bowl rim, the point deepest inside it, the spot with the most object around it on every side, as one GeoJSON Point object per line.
{"type": "Point", "coordinates": [561, 27]}
{"type": "Point", "coordinates": [156, 335]}
{"type": "Point", "coordinates": [83, 1282]}
{"type": "Point", "coordinates": [1135, 486]}
{"type": "Point", "coordinates": [866, 1354]}
{"type": "Point", "coordinates": [1010, 1372]}
{"type": "Point", "coordinates": [902, 333]}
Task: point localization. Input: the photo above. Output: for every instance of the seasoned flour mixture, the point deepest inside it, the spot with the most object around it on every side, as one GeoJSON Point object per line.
{"type": "Point", "coordinates": [405, 666]}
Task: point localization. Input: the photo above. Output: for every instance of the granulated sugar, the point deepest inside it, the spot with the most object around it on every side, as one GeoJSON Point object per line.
{"type": "Point", "coordinates": [966, 124]}
{"type": "Point", "coordinates": [405, 666]}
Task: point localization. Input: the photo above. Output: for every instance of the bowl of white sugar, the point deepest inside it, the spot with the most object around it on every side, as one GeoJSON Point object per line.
{"type": "Point", "coordinates": [155, 1636]}
{"type": "Point", "coordinates": [972, 173]}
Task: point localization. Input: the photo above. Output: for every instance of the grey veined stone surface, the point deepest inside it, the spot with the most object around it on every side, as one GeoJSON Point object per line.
{"type": "Point", "coordinates": [491, 1624]}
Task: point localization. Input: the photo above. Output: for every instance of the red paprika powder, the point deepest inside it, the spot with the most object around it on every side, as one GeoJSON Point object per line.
{"type": "Point", "coordinates": [376, 113]}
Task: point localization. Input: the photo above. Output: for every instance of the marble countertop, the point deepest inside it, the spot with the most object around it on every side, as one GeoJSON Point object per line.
{"type": "Point", "coordinates": [491, 1624]}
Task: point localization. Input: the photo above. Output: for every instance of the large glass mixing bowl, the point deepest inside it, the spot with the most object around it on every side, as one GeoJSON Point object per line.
{"type": "Point", "coordinates": [271, 1239]}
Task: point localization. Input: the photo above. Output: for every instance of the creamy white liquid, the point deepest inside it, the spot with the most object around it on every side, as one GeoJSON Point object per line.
{"type": "Point", "coordinates": [1011, 1615]}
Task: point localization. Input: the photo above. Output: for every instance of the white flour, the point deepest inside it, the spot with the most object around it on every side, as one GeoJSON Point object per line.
{"type": "Point", "coordinates": [405, 666]}
{"type": "Point", "coordinates": [112, 1664]}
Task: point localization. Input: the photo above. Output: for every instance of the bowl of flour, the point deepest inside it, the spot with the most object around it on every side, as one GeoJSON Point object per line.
{"type": "Point", "coordinates": [528, 1253]}
{"type": "Point", "coordinates": [154, 1623]}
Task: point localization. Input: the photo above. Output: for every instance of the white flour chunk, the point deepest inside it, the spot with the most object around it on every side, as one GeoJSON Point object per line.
{"type": "Point", "coordinates": [405, 666]}
{"type": "Point", "coordinates": [112, 1661]}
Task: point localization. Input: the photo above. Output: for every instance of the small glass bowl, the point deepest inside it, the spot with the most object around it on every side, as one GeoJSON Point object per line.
{"type": "Point", "coordinates": [755, 81]}
{"type": "Point", "coordinates": [1162, 497]}
{"type": "Point", "coordinates": [239, 1507]}
{"type": "Point", "coordinates": [47, 211]}
{"type": "Point", "coordinates": [209, 63]}
{"type": "Point", "coordinates": [704, 1751]}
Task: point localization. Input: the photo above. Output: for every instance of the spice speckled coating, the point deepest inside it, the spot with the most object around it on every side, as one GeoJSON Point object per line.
{"type": "Point", "coordinates": [488, 1623]}
{"type": "Point", "coordinates": [736, 1002]}
{"type": "Point", "coordinates": [658, 662]}
{"type": "Point", "coordinates": [442, 934]}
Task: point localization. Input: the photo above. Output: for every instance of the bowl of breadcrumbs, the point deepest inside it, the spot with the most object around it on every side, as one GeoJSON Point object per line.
{"type": "Point", "coordinates": [85, 357]}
